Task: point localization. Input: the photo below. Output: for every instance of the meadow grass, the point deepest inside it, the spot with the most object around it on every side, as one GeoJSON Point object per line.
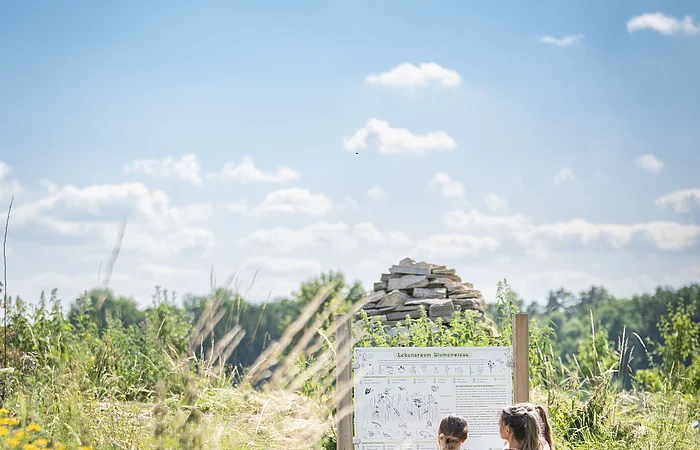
{"type": "Point", "coordinates": [88, 389]}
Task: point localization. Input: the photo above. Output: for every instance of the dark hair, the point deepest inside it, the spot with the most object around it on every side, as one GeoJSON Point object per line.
{"type": "Point", "coordinates": [452, 432]}
{"type": "Point", "coordinates": [524, 422]}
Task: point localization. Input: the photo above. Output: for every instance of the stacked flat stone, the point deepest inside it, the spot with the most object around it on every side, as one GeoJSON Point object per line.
{"type": "Point", "coordinates": [411, 286]}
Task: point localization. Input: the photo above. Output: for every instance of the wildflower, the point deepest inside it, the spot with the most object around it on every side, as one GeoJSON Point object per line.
{"type": "Point", "coordinates": [84, 448]}
{"type": "Point", "coordinates": [29, 447]}
{"type": "Point", "coordinates": [9, 421]}
{"type": "Point", "coordinates": [34, 427]}
{"type": "Point", "coordinates": [12, 442]}
{"type": "Point", "coordinates": [58, 446]}
{"type": "Point", "coordinates": [19, 434]}
{"type": "Point", "coordinates": [4, 411]}
{"type": "Point", "coordinates": [40, 442]}
{"type": "Point", "coordinates": [4, 431]}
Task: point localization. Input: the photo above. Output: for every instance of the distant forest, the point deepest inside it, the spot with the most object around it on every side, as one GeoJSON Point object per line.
{"type": "Point", "coordinates": [571, 316]}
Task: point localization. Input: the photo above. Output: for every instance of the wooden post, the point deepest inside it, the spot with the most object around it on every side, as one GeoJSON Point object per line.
{"type": "Point", "coordinates": [521, 358]}
{"type": "Point", "coordinates": [343, 381]}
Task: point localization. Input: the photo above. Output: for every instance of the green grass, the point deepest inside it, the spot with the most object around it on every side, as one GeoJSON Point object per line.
{"type": "Point", "coordinates": [144, 387]}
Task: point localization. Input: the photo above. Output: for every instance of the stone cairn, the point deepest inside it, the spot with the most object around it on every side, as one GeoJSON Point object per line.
{"type": "Point", "coordinates": [411, 286]}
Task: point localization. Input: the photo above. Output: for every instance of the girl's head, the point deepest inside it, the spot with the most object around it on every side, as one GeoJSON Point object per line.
{"type": "Point", "coordinates": [453, 432]}
{"type": "Point", "coordinates": [521, 423]}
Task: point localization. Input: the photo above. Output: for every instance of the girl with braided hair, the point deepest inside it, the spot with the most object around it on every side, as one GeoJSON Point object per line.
{"type": "Point", "coordinates": [453, 432]}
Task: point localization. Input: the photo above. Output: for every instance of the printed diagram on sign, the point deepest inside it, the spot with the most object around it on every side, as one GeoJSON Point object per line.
{"type": "Point", "coordinates": [394, 412]}
{"type": "Point", "coordinates": [501, 364]}
{"type": "Point", "coordinates": [427, 434]}
{"type": "Point", "coordinates": [365, 362]}
{"type": "Point", "coordinates": [378, 368]}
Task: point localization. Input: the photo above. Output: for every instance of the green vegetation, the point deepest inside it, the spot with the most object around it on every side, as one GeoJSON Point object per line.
{"type": "Point", "coordinates": [217, 371]}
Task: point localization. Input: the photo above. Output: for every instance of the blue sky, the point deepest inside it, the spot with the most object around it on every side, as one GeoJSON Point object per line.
{"type": "Point", "coordinates": [550, 143]}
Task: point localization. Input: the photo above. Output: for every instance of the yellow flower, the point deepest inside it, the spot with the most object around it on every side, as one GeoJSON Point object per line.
{"type": "Point", "coordinates": [41, 442]}
{"type": "Point", "coordinates": [12, 442]}
{"type": "Point", "coordinates": [29, 447]}
{"type": "Point", "coordinates": [84, 448]}
{"type": "Point", "coordinates": [4, 411]}
{"type": "Point", "coordinates": [4, 431]}
{"type": "Point", "coordinates": [20, 434]}
{"type": "Point", "coordinates": [34, 427]}
{"type": "Point", "coordinates": [58, 446]}
{"type": "Point", "coordinates": [11, 421]}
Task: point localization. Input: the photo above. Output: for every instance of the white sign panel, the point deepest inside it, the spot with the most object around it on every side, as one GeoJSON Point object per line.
{"type": "Point", "coordinates": [401, 394]}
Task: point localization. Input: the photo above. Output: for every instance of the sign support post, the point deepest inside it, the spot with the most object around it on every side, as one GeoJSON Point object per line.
{"type": "Point", "coordinates": [343, 382]}
{"type": "Point", "coordinates": [521, 358]}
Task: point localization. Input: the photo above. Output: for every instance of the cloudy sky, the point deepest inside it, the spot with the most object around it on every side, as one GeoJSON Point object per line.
{"type": "Point", "coordinates": [550, 144]}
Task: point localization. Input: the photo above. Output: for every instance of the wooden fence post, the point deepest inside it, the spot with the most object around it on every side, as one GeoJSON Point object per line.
{"type": "Point", "coordinates": [521, 357]}
{"type": "Point", "coordinates": [343, 381]}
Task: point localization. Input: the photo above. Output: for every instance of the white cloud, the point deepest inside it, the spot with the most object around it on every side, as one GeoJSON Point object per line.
{"type": "Point", "coordinates": [153, 244]}
{"type": "Point", "coordinates": [95, 199]}
{"type": "Point", "coordinates": [159, 272]}
{"type": "Point", "coordinates": [496, 203]}
{"type": "Point", "coordinates": [154, 227]}
{"type": "Point", "coordinates": [323, 234]}
{"type": "Point", "coordinates": [295, 201]}
{"type": "Point", "coordinates": [447, 246]}
{"type": "Point", "coordinates": [349, 203]}
{"type": "Point", "coordinates": [4, 170]}
{"type": "Point", "coordinates": [106, 202]}
{"type": "Point", "coordinates": [538, 283]}
{"type": "Point", "coordinates": [377, 193]}
{"type": "Point", "coordinates": [409, 75]}
{"type": "Point", "coordinates": [649, 162]}
{"type": "Point", "coordinates": [564, 176]}
{"type": "Point", "coordinates": [287, 201]}
{"type": "Point", "coordinates": [186, 168]}
{"type": "Point", "coordinates": [664, 24]}
{"type": "Point", "coordinates": [238, 207]}
{"type": "Point", "coordinates": [448, 187]}
{"type": "Point", "coordinates": [8, 187]}
{"type": "Point", "coordinates": [246, 171]}
{"type": "Point", "coordinates": [666, 236]}
{"type": "Point", "coordinates": [284, 266]}
{"type": "Point", "coordinates": [380, 136]}
{"type": "Point", "coordinates": [370, 233]}
{"type": "Point", "coordinates": [562, 42]}
{"type": "Point", "coordinates": [475, 220]}
{"type": "Point", "coordinates": [398, 238]}
{"type": "Point", "coordinates": [683, 201]}
{"type": "Point", "coordinates": [576, 233]}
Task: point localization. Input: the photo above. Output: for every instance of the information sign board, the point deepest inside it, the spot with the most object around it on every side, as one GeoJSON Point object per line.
{"type": "Point", "coordinates": [401, 394]}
